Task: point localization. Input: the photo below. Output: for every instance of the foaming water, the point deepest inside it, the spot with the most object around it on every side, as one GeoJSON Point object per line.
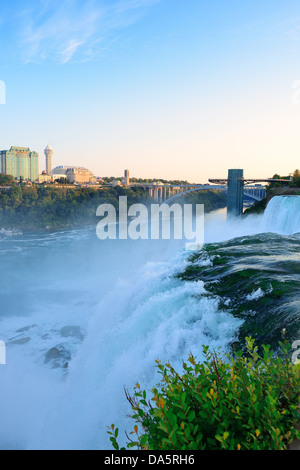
{"type": "Point", "coordinates": [108, 310]}
{"type": "Point", "coordinates": [160, 317]}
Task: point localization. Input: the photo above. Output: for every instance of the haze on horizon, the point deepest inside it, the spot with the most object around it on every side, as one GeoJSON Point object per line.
{"type": "Point", "coordinates": [168, 89]}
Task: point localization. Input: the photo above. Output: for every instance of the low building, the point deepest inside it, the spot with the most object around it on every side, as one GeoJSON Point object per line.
{"type": "Point", "coordinates": [79, 175]}
{"type": "Point", "coordinates": [73, 174]}
{"type": "Point", "coordinates": [116, 183]}
{"type": "Point", "coordinates": [59, 172]}
{"type": "Point", "coordinates": [44, 178]}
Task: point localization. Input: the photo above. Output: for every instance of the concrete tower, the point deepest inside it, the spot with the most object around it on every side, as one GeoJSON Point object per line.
{"type": "Point", "coordinates": [235, 193]}
{"type": "Point", "coordinates": [126, 178]}
{"type": "Point", "coordinates": [48, 154]}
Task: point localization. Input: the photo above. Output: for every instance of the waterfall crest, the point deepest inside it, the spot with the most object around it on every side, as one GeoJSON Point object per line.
{"type": "Point", "coordinates": [282, 215]}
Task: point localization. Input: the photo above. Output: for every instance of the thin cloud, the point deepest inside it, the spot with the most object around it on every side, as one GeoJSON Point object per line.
{"type": "Point", "coordinates": [64, 30]}
{"type": "Point", "coordinates": [68, 53]}
{"type": "Point", "coordinates": [126, 5]}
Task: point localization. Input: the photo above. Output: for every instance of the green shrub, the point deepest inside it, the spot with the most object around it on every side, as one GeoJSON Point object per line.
{"type": "Point", "coordinates": [225, 402]}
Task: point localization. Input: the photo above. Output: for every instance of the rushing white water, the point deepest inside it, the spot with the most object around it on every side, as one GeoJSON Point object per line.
{"type": "Point", "coordinates": [114, 308]}
{"type": "Point", "coordinates": [122, 297]}
{"type": "Point", "coordinates": [159, 317]}
{"type": "Point", "coordinates": [282, 215]}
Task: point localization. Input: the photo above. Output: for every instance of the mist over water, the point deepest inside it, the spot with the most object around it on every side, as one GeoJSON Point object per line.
{"type": "Point", "coordinates": [110, 308]}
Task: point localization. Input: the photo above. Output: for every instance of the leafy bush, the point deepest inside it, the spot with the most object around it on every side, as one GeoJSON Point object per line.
{"type": "Point", "coordinates": [225, 402]}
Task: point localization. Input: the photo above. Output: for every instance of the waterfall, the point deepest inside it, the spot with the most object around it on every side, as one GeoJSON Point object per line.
{"type": "Point", "coordinates": [282, 215]}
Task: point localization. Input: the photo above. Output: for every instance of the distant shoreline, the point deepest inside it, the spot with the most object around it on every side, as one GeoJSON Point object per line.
{"type": "Point", "coordinates": [34, 209]}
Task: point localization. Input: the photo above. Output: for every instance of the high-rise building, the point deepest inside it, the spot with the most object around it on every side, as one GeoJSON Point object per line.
{"type": "Point", "coordinates": [20, 162]}
{"type": "Point", "coordinates": [48, 154]}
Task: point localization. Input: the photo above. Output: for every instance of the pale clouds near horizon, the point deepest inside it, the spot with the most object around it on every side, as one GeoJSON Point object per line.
{"type": "Point", "coordinates": [59, 31]}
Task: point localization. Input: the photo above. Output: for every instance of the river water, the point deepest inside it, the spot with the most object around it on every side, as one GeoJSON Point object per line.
{"type": "Point", "coordinates": [82, 318]}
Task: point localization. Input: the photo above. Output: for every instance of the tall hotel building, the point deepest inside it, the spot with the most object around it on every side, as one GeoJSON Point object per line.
{"type": "Point", "coordinates": [20, 162]}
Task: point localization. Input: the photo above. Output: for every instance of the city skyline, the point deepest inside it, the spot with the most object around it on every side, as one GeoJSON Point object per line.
{"type": "Point", "coordinates": [169, 91]}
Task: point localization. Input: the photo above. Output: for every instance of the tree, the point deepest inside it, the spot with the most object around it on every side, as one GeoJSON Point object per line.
{"type": "Point", "coordinates": [61, 180]}
{"type": "Point", "coordinates": [296, 179]}
{"type": "Point", "coordinates": [6, 180]}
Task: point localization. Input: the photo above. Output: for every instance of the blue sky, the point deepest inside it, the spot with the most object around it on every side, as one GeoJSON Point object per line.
{"type": "Point", "coordinates": [166, 88]}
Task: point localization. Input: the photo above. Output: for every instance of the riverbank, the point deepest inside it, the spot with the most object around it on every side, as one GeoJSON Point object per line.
{"type": "Point", "coordinates": [38, 208]}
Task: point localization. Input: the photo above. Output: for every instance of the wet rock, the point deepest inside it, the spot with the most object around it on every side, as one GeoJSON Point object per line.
{"type": "Point", "coordinates": [20, 341]}
{"type": "Point", "coordinates": [26, 328]}
{"type": "Point", "coordinates": [72, 331]}
{"type": "Point", "coordinates": [58, 356]}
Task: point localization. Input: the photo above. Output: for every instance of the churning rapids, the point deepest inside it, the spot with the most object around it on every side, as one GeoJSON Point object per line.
{"type": "Point", "coordinates": [82, 318]}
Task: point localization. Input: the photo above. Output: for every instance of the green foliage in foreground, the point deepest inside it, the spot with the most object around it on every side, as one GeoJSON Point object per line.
{"type": "Point", "coordinates": [236, 403]}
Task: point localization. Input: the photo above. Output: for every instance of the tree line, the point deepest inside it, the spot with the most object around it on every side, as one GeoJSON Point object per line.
{"type": "Point", "coordinates": [39, 206]}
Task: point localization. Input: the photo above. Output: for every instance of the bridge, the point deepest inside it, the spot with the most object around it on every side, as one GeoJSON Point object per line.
{"type": "Point", "coordinates": [256, 192]}
{"type": "Point", "coordinates": [236, 186]}
{"type": "Point", "coordinates": [169, 192]}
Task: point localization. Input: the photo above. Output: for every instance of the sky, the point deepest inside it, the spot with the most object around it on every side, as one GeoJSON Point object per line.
{"type": "Point", "coordinates": [168, 89]}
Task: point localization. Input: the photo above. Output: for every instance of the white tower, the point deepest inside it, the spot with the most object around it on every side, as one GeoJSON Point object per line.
{"type": "Point", "coordinates": [48, 154]}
